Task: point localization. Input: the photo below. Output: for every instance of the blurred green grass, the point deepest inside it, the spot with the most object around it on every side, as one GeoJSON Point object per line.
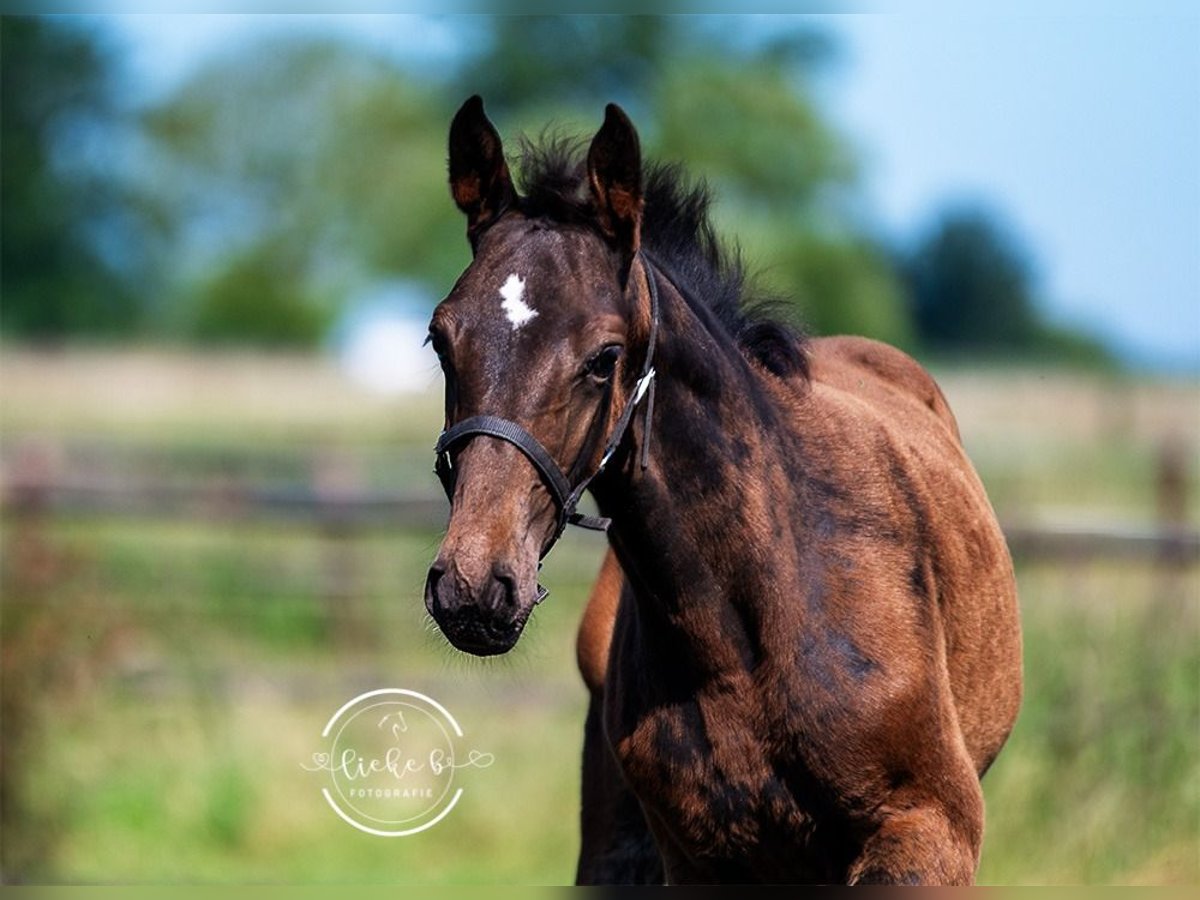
{"type": "Point", "coordinates": [163, 681]}
{"type": "Point", "coordinates": [171, 749]}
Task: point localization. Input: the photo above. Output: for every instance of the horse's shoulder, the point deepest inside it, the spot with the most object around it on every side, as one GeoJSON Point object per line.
{"type": "Point", "coordinates": [596, 627]}
{"type": "Point", "coordinates": [876, 373]}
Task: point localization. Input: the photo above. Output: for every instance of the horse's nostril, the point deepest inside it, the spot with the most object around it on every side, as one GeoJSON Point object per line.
{"type": "Point", "coordinates": [506, 595]}
{"type": "Point", "coordinates": [496, 594]}
{"type": "Point", "coordinates": [433, 601]}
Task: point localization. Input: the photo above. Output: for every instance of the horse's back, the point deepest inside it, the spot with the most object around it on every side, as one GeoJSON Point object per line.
{"type": "Point", "coordinates": [894, 403]}
{"type": "Point", "coordinates": [877, 372]}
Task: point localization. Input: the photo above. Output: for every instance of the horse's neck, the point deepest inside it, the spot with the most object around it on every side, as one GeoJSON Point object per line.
{"type": "Point", "coordinates": [701, 524]}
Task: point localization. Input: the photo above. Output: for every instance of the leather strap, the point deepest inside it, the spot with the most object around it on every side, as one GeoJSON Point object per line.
{"type": "Point", "coordinates": [565, 497]}
{"type": "Point", "coordinates": [516, 435]}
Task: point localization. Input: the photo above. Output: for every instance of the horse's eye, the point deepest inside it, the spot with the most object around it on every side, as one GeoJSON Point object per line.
{"type": "Point", "coordinates": [437, 340]}
{"type": "Point", "coordinates": [601, 365]}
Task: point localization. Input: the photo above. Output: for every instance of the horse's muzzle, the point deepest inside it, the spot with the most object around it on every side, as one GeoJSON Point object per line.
{"type": "Point", "coordinates": [484, 618]}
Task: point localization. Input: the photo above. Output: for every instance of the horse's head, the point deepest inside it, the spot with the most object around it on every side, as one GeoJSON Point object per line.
{"type": "Point", "coordinates": [542, 335]}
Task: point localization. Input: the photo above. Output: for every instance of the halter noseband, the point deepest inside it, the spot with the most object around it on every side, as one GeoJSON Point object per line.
{"type": "Point", "coordinates": [565, 497]}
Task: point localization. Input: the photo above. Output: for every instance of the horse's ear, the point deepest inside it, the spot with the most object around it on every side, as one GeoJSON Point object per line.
{"type": "Point", "coordinates": [614, 167]}
{"type": "Point", "coordinates": [479, 178]}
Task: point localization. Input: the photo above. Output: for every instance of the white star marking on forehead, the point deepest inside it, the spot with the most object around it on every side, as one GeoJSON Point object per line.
{"type": "Point", "coordinates": [517, 310]}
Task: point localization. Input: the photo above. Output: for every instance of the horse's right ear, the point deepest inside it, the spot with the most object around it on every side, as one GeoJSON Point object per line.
{"type": "Point", "coordinates": [479, 178]}
{"type": "Point", "coordinates": [614, 169]}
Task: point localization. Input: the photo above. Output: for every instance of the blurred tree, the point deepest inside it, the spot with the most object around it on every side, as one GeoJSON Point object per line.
{"type": "Point", "coordinates": [783, 179]}
{"type": "Point", "coordinates": [259, 297]}
{"type": "Point", "coordinates": [846, 286]}
{"type": "Point", "coordinates": [735, 106]}
{"type": "Point", "coordinates": [60, 208]}
{"type": "Point", "coordinates": [341, 154]}
{"type": "Point", "coordinates": [288, 173]}
{"type": "Point", "coordinates": [294, 171]}
{"type": "Point", "coordinates": [564, 61]}
{"type": "Point", "coordinates": [971, 286]}
{"type": "Point", "coordinates": [750, 128]}
{"type": "Point", "coordinates": [578, 63]}
{"type": "Point", "coordinates": [305, 169]}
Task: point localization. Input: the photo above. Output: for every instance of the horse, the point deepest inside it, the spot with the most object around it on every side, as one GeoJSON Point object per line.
{"type": "Point", "coordinates": [803, 650]}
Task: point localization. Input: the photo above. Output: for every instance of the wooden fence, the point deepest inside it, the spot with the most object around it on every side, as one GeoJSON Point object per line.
{"type": "Point", "coordinates": [42, 482]}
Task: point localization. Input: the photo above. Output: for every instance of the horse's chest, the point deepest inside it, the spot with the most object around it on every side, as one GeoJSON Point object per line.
{"type": "Point", "coordinates": [711, 785]}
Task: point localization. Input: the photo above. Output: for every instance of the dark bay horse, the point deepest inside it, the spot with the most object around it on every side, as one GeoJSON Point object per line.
{"type": "Point", "coordinates": [804, 648]}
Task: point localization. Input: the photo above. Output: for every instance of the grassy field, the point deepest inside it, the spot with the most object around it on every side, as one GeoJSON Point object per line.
{"type": "Point", "coordinates": [163, 681]}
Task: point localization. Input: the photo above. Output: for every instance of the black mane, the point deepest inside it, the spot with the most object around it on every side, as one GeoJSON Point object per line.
{"type": "Point", "coordinates": [679, 237]}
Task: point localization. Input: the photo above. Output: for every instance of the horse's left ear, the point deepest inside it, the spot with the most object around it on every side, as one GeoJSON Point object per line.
{"type": "Point", "coordinates": [614, 167]}
{"type": "Point", "coordinates": [479, 178]}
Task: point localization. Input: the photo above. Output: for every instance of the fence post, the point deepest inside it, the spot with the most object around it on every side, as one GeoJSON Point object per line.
{"type": "Point", "coordinates": [337, 479]}
{"type": "Point", "coordinates": [28, 557]}
{"type": "Point", "coordinates": [1171, 489]}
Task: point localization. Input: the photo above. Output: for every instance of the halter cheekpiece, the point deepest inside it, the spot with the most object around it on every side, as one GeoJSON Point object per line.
{"type": "Point", "coordinates": [566, 497]}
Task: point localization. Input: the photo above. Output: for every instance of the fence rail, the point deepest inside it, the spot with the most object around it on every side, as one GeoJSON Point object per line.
{"type": "Point", "coordinates": [1170, 543]}
{"type": "Point", "coordinates": [353, 510]}
{"type": "Point", "coordinates": [249, 503]}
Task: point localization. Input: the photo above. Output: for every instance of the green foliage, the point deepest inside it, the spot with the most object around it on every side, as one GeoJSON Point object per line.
{"type": "Point", "coordinates": [322, 167]}
{"type": "Point", "coordinates": [565, 61]}
{"type": "Point", "coordinates": [972, 290]}
{"type": "Point", "coordinates": [737, 114]}
{"type": "Point", "coordinates": [260, 297]}
{"type": "Point", "coordinates": [287, 174]}
{"type": "Point", "coordinates": [1099, 781]}
{"type": "Point", "coordinates": [56, 95]}
{"type": "Point", "coordinates": [1066, 346]}
{"type": "Point", "coordinates": [971, 285]}
{"type": "Point", "coordinates": [749, 129]}
{"type": "Point", "coordinates": [230, 804]}
{"type": "Point", "coordinates": [845, 287]}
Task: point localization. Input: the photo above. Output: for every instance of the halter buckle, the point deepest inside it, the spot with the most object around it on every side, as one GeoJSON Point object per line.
{"type": "Point", "coordinates": [642, 385]}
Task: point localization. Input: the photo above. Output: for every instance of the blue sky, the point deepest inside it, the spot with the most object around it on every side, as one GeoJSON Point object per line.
{"type": "Point", "coordinates": [1081, 131]}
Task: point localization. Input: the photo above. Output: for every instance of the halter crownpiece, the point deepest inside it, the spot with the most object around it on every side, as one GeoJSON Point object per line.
{"type": "Point", "coordinates": [565, 497]}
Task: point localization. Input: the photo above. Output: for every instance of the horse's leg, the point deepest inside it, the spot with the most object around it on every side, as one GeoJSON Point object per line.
{"type": "Point", "coordinates": [616, 846]}
{"type": "Point", "coordinates": [932, 843]}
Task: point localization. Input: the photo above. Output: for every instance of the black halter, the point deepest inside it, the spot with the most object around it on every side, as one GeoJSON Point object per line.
{"type": "Point", "coordinates": [566, 497]}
